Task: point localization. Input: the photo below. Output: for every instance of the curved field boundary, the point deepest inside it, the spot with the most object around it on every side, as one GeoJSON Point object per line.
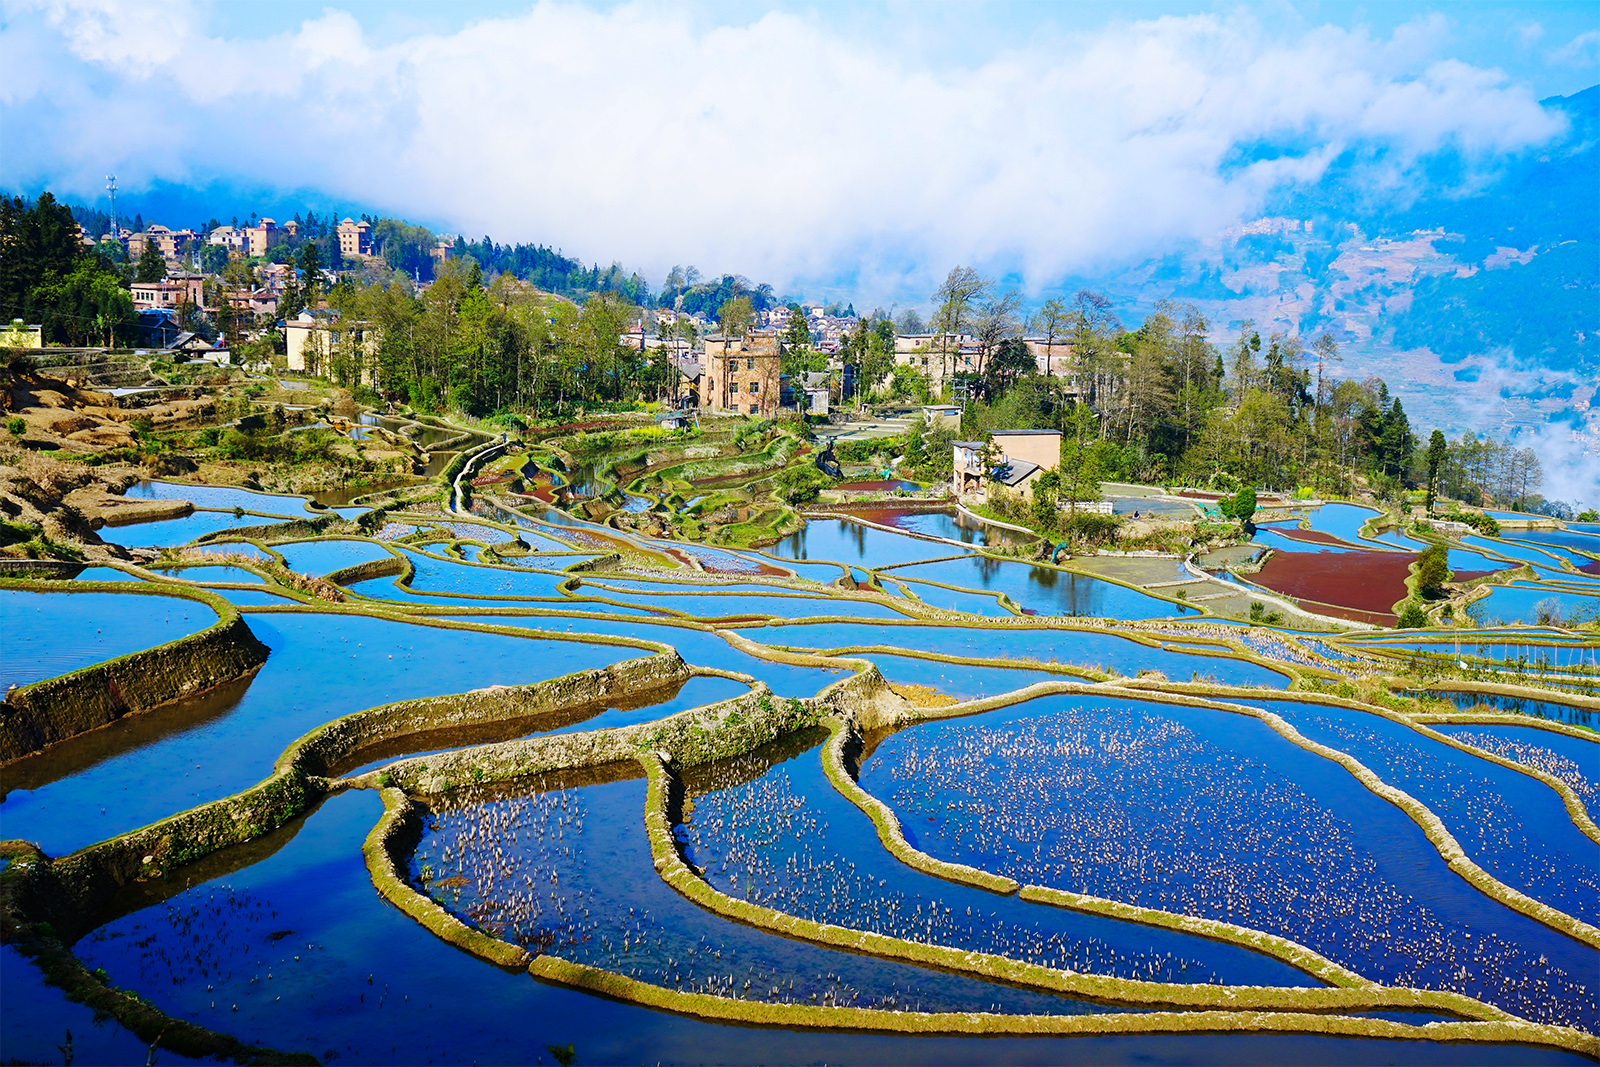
{"type": "Point", "coordinates": [39, 941]}
{"type": "Point", "coordinates": [1576, 810]}
{"type": "Point", "coordinates": [669, 863]}
{"type": "Point", "coordinates": [1506, 718]}
{"type": "Point", "coordinates": [779, 593]}
{"type": "Point", "coordinates": [396, 833]}
{"type": "Point", "coordinates": [1071, 670]}
{"type": "Point", "coordinates": [73, 888]}
{"type": "Point", "coordinates": [908, 587]}
{"type": "Point", "coordinates": [887, 823]}
{"type": "Point", "coordinates": [343, 740]}
{"type": "Point", "coordinates": [393, 565]}
{"type": "Point", "coordinates": [1292, 672]}
{"type": "Point", "coordinates": [890, 833]}
{"type": "Point", "coordinates": [1432, 826]}
{"type": "Point", "coordinates": [1200, 609]}
{"type": "Point", "coordinates": [878, 1020]}
{"type": "Point", "coordinates": [716, 731]}
{"type": "Point", "coordinates": [1441, 838]}
{"type": "Point", "coordinates": [443, 619]}
{"type": "Point", "coordinates": [55, 709]}
{"type": "Point", "coordinates": [701, 581]}
{"type": "Point", "coordinates": [47, 903]}
{"type": "Point", "coordinates": [848, 517]}
{"type": "Point", "coordinates": [1515, 692]}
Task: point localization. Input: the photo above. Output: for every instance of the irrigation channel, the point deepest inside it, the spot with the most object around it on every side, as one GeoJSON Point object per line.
{"type": "Point", "coordinates": [445, 786]}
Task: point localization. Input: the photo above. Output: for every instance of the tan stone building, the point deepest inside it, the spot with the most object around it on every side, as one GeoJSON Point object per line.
{"type": "Point", "coordinates": [229, 237]}
{"type": "Point", "coordinates": [258, 302]}
{"type": "Point", "coordinates": [740, 375]}
{"type": "Point", "coordinates": [260, 237]}
{"type": "Point", "coordinates": [355, 238]}
{"type": "Point", "coordinates": [936, 355]}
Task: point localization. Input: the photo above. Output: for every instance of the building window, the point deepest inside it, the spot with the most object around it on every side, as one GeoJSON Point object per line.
{"type": "Point", "coordinates": [755, 387]}
{"type": "Point", "coordinates": [750, 364]}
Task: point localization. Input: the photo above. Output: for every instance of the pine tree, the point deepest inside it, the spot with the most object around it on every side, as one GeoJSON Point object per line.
{"type": "Point", "coordinates": [1438, 449]}
{"type": "Point", "coordinates": [152, 268]}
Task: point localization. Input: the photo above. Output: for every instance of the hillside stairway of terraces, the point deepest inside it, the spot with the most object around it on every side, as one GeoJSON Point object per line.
{"type": "Point", "coordinates": [96, 368]}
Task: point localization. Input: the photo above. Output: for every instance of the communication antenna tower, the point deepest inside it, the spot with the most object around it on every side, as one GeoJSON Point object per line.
{"type": "Point", "coordinates": [111, 187]}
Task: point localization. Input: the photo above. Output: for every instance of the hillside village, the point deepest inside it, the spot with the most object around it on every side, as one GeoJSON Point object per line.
{"type": "Point", "coordinates": [262, 295]}
{"type": "Point", "coordinates": [401, 319]}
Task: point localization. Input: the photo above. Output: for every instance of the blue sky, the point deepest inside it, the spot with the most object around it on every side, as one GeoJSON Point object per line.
{"type": "Point", "coordinates": [811, 145]}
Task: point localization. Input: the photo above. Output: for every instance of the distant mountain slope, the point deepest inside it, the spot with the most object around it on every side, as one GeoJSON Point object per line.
{"type": "Point", "coordinates": [1479, 305]}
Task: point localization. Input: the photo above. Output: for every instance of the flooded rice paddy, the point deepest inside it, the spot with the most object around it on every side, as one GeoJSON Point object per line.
{"type": "Point", "coordinates": [49, 634]}
{"type": "Point", "coordinates": [1148, 797]}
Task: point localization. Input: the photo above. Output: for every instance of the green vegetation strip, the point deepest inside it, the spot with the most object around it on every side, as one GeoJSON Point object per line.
{"type": "Point", "coordinates": [678, 874]}
{"type": "Point", "coordinates": [1517, 692]}
{"type": "Point", "coordinates": [798, 1016]}
{"type": "Point", "coordinates": [1506, 718]}
{"type": "Point", "coordinates": [722, 730]}
{"type": "Point", "coordinates": [393, 834]}
{"type": "Point", "coordinates": [1021, 662]}
{"type": "Point", "coordinates": [340, 742]}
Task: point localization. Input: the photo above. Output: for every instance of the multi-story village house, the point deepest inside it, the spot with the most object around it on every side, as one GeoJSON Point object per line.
{"type": "Point", "coordinates": [939, 356]}
{"type": "Point", "coordinates": [1014, 460]}
{"type": "Point", "coordinates": [276, 276]}
{"type": "Point", "coordinates": [740, 375]}
{"type": "Point", "coordinates": [319, 342]}
{"type": "Point", "coordinates": [229, 237]}
{"type": "Point", "coordinates": [169, 292]}
{"type": "Point", "coordinates": [355, 238]}
{"type": "Point", "coordinates": [260, 237]}
{"type": "Point", "coordinates": [262, 303]}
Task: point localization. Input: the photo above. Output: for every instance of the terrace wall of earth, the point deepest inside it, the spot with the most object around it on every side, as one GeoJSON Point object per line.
{"type": "Point", "coordinates": [55, 709]}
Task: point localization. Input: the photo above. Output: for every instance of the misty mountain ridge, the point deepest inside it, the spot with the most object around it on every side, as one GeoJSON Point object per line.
{"type": "Point", "coordinates": [1475, 295]}
{"type": "Point", "coordinates": [1480, 305]}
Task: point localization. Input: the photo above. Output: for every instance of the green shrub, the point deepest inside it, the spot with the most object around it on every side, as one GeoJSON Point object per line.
{"type": "Point", "coordinates": [1413, 617]}
{"type": "Point", "coordinates": [16, 426]}
{"type": "Point", "coordinates": [862, 451]}
{"type": "Point", "coordinates": [800, 483]}
{"type": "Point", "coordinates": [1090, 527]}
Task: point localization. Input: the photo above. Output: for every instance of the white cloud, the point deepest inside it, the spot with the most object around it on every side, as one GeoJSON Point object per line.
{"type": "Point", "coordinates": [777, 147]}
{"type": "Point", "coordinates": [1582, 51]}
